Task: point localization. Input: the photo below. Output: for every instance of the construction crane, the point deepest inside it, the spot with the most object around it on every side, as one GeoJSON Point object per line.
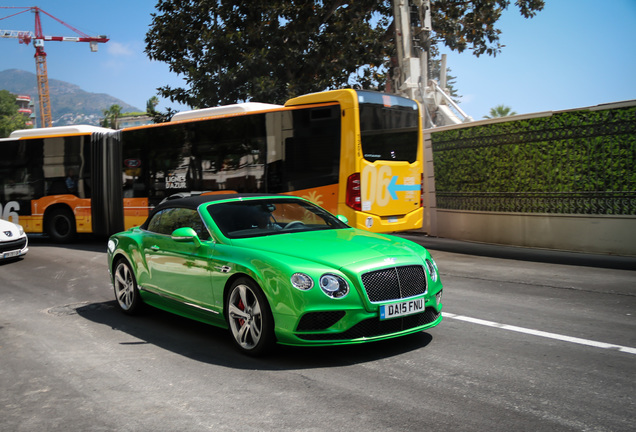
{"type": "Point", "coordinates": [38, 39]}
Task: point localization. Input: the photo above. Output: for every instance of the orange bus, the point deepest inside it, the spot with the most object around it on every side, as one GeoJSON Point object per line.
{"type": "Point", "coordinates": [356, 153]}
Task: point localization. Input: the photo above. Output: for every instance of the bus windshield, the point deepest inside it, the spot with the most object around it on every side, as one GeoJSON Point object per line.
{"type": "Point", "coordinates": [389, 127]}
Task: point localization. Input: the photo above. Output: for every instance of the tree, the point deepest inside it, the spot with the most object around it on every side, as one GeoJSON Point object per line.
{"type": "Point", "coordinates": [500, 111]}
{"type": "Point", "coordinates": [151, 105]}
{"type": "Point", "coordinates": [163, 117]}
{"type": "Point", "coordinates": [110, 116]}
{"type": "Point", "coordinates": [271, 50]}
{"type": "Point", "coordinates": [10, 118]}
{"type": "Point", "coordinates": [462, 25]}
{"type": "Point", "coordinates": [158, 117]}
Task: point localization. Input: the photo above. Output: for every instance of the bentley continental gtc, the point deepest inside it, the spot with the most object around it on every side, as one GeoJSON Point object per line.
{"type": "Point", "coordinates": [274, 269]}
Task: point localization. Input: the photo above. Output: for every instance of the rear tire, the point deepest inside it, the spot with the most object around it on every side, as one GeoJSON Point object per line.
{"type": "Point", "coordinates": [125, 287]}
{"type": "Point", "coordinates": [60, 225]}
{"type": "Point", "coordinates": [249, 318]}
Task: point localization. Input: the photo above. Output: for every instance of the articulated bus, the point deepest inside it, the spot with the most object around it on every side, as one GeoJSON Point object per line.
{"type": "Point", "coordinates": [356, 153]}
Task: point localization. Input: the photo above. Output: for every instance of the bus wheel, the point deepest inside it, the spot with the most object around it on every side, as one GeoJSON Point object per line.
{"type": "Point", "coordinates": [60, 225]}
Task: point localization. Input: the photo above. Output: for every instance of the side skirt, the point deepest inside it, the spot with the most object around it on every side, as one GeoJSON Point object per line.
{"type": "Point", "coordinates": [177, 306]}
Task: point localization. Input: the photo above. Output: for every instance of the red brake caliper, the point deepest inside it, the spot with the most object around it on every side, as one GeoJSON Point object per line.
{"type": "Point", "coordinates": [241, 306]}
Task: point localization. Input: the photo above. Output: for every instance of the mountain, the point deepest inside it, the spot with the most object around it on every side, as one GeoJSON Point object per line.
{"type": "Point", "coordinates": [69, 103]}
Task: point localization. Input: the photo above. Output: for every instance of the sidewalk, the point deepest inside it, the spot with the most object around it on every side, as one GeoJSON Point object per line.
{"type": "Point", "coordinates": [521, 253]}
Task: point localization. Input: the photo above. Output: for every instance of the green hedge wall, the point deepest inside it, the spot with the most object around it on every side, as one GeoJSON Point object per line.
{"type": "Point", "coordinates": [586, 158]}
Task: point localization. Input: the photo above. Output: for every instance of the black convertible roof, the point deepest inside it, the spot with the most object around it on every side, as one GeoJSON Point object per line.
{"type": "Point", "coordinates": [195, 201]}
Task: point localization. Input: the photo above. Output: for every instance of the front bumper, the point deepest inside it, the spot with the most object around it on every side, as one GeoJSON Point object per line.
{"type": "Point", "coordinates": [341, 327]}
{"type": "Point", "coordinates": [14, 248]}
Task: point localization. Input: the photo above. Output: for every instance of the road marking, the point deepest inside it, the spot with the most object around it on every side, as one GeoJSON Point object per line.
{"type": "Point", "coordinates": [540, 333]}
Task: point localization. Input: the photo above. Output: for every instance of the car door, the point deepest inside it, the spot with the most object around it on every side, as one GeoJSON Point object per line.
{"type": "Point", "coordinates": [179, 270]}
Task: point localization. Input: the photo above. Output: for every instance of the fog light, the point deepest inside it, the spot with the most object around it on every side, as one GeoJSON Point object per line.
{"type": "Point", "coordinates": [438, 297]}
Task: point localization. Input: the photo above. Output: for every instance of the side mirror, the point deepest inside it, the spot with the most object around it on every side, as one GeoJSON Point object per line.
{"type": "Point", "coordinates": [186, 235]}
{"type": "Point", "coordinates": [343, 219]}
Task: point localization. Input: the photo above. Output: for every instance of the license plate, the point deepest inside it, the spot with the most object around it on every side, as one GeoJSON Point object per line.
{"type": "Point", "coordinates": [395, 310]}
{"type": "Point", "coordinates": [11, 254]}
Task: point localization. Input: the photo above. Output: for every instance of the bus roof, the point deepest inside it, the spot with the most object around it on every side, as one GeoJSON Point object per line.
{"type": "Point", "coordinates": [224, 110]}
{"type": "Point", "coordinates": [58, 130]}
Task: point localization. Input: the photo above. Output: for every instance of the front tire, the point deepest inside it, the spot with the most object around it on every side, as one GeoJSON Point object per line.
{"type": "Point", "coordinates": [249, 318]}
{"type": "Point", "coordinates": [125, 287]}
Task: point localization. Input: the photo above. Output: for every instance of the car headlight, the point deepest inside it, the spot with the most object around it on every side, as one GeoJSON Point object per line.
{"type": "Point", "coordinates": [302, 281]}
{"type": "Point", "coordinates": [334, 286]}
{"type": "Point", "coordinates": [432, 269]}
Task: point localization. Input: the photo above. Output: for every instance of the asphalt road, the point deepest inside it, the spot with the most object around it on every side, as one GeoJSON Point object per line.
{"type": "Point", "coordinates": [530, 342]}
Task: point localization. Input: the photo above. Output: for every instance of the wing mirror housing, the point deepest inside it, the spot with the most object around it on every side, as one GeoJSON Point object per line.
{"type": "Point", "coordinates": [186, 235]}
{"type": "Point", "coordinates": [343, 219]}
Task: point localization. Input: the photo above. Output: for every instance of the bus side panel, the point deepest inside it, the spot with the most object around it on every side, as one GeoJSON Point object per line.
{"type": "Point", "coordinates": [325, 196]}
{"type": "Point", "coordinates": [136, 212]}
{"type": "Point", "coordinates": [81, 208]}
{"type": "Point", "coordinates": [107, 203]}
{"type": "Point", "coordinates": [17, 183]}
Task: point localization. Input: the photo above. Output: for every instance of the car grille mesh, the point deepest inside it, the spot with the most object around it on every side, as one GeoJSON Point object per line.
{"type": "Point", "coordinates": [13, 245]}
{"type": "Point", "coordinates": [394, 283]}
{"type": "Point", "coordinates": [375, 327]}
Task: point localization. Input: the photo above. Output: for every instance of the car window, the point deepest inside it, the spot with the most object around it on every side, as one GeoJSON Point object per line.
{"type": "Point", "coordinates": [155, 223]}
{"type": "Point", "coordinates": [241, 219]}
{"type": "Point", "coordinates": [168, 220]}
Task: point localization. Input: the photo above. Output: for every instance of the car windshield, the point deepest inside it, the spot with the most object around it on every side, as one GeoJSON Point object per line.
{"type": "Point", "coordinates": [254, 218]}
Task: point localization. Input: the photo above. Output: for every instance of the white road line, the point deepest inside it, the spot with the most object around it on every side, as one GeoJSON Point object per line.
{"type": "Point", "coordinates": [540, 333]}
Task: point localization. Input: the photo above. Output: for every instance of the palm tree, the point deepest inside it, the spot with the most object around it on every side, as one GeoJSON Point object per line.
{"type": "Point", "coordinates": [151, 105]}
{"type": "Point", "coordinates": [500, 111]}
{"type": "Point", "coordinates": [110, 116]}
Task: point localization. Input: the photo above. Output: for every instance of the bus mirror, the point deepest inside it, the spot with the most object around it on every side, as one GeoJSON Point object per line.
{"type": "Point", "coordinates": [186, 235]}
{"type": "Point", "coordinates": [343, 219]}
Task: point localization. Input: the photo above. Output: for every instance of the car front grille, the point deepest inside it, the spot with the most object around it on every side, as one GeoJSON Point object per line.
{"type": "Point", "coordinates": [394, 283]}
{"type": "Point", "coordinates": [13, 245]}
{"type": "Point", "coordinates": [375, 327]}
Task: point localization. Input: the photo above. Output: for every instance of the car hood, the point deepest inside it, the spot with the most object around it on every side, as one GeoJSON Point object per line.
{"type": "Point", "coordinates": [9, 231]}
{"type": "Point", "coordinates": [335, 248]}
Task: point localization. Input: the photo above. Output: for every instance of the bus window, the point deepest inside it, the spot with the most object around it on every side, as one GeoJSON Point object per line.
{"type": "Point", "coordinates": [312, 155]}
{"type": "Point", "coordinates": [389, 127]}
{"type": "Point", "coordinates": [223, 154]}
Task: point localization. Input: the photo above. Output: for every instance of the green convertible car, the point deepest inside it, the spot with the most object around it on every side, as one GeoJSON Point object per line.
{"type": "Point", "coordinates": [274, 268]}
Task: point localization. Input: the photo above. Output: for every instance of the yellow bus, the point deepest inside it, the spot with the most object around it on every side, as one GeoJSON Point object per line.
{"type": "Point", "coordinates": [356, 153]}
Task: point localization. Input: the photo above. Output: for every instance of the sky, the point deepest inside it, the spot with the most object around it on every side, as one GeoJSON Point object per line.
{"type": "Point", "coordinates": [574, 53]}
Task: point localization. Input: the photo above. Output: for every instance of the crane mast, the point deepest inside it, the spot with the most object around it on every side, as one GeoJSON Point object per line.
{"type": "Point", "coordinates": [412, 20]}
{"type": "Point", "coordinates": [38, 39]}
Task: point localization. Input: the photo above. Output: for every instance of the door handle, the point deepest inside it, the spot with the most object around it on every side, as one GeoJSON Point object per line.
{"type": "Point", "coordinates": [155, 248]}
